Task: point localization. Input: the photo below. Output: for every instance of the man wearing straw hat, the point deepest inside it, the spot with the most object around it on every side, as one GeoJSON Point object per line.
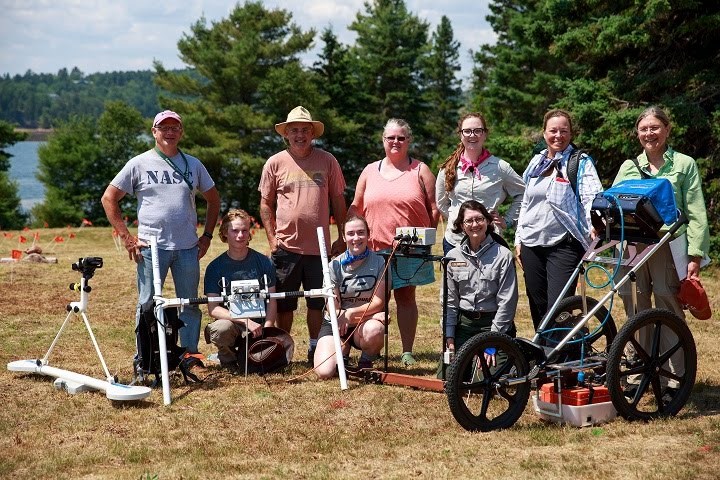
{"type": "Point", "coordinates": [297, 188]}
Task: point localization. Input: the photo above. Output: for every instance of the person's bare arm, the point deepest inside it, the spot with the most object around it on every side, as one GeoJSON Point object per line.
{"type": "Point", "coordinates": [212, 197]}
{"type": "Point", "coordinates": [111, 204]}
{"type": "Point", "coordinates": [428, 179]}
{"type": "Point", "coordinates": [357, 205]}
{"type": "Point", "coordinates": [340, 213]}
{"type": "Point", "coordinates": [267, 214]}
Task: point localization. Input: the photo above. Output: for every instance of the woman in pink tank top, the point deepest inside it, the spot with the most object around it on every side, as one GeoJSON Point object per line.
{"type": "Point", "coordinates": [399, 191]}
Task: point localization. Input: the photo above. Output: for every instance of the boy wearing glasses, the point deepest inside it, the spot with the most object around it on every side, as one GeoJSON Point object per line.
{"type": "Point", "coordinates": [165, 181]}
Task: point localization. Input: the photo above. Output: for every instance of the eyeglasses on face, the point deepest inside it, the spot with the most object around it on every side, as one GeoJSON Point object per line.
{"type": "Point", "coordinates": [473, 131]}
{"type": "Point", "coordinates": [650, 129]}
{"type": "Point", "coordinates": [169, 128]}
{"type": "Point", "coordinates": [469, 222]}
{"type": "Point", "coordinates": [398, 138]}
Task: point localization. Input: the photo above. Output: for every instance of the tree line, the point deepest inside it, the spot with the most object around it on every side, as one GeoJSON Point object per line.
{"type": "Point", "coordinates": [603, 62]}
{"type": "Point", "coordinates": [41, 100]}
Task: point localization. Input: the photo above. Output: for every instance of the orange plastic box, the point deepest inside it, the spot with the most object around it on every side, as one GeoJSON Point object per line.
{"type": "Point", "coordinates": [575, 396]}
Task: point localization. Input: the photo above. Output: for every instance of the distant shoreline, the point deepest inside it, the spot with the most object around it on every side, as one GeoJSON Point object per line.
{"type": "Point", "coordinates": [36, 134]}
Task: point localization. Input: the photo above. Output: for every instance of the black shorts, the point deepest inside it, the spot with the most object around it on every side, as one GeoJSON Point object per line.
{"type": "Point", "coordinates": [326, 330]}
{"type": "Point", "coordinates": [294, 269]}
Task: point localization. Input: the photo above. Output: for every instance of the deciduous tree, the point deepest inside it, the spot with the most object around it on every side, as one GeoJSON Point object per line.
{"type": "Point", "coordinates": [81, 157]}
{"type": "Point", "coordinates": [11, 213]}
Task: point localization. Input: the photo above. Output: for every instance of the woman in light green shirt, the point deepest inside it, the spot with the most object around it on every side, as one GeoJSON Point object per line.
{"type": "Point", "coordinates": [659, 160]}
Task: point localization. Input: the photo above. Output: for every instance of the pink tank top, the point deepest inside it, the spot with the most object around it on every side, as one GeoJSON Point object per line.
{"type": "Point", "coordinates": [388, 204]}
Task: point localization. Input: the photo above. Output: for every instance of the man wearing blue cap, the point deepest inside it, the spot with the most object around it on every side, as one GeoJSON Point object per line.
{"type": "Point", "coordinates": [165, 181]}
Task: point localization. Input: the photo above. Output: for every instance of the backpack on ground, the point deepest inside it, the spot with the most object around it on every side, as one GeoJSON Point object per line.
{"type": "Point", "coordinates": [148, 356]}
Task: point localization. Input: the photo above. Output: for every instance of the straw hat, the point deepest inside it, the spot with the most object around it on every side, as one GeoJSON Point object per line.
{"type": "Point", "coordinates": [300, 114]}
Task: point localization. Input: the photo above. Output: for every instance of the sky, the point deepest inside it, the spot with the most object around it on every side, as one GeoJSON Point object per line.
{"type": "Point", "coordinates": [120, 35]}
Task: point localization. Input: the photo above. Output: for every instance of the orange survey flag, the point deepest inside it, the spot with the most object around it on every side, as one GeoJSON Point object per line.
{"type": "Point", "coordinates": [58, 239]}
{"type": "Point", "coordinates": [16, 254]}
{"type": "Point", "coordinates": [22, 239]}
{"type": "Point", "coordinates": [85, 221]}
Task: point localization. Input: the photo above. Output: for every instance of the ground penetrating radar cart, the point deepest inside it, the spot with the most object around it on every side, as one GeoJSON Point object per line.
{"type": "Point", "coordinates": [644, 371]}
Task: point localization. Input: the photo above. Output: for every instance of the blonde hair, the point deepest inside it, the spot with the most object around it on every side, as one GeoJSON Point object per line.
{"type": "Point", "coordinates": [233, 214]}
{"type": "Point", "coordinates": [400, 123]}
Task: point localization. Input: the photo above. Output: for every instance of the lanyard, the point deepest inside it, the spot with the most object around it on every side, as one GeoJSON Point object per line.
{"type": "Point", "coordinates": [186, 174]}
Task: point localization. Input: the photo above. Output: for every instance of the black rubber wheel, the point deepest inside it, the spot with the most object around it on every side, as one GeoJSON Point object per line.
{"type": "Point", "coordinates": [478, 395]}
{"type": "Point", "coordinates": [638, 370]}
{"type": "Point", "coordinates": [595, 337]}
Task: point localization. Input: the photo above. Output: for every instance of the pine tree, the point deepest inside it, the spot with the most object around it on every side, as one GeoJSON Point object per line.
{"type": "Point", "coordinates": [387, 61]}
{"type": "Point", "coordinates": [443, 93]}
{"type": "Point", "coordinates": [605, 62]}
{"type": "Point", "coordinates": [245, 77]}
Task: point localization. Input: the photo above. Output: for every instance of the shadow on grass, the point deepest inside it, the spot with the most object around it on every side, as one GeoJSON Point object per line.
{"type": "Point", "coordinates": [704, 400]}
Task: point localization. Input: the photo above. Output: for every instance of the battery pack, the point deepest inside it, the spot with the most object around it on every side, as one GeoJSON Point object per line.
{"type": "Point", "coordinates": [575, 396]}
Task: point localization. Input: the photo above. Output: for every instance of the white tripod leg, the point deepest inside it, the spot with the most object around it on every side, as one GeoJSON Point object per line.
{"type": "Point", "coordinates": [331, 309]}
{"type": "Point", "coordinates": [160, 314]}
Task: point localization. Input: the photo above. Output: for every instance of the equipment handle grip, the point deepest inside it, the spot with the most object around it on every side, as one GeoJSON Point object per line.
{"type": "Point", "coordinates": [682, 220]}
{"type": "Point", "coordinates": [297, 294]}
{"type": "Point", "coordinates": [198, 301]}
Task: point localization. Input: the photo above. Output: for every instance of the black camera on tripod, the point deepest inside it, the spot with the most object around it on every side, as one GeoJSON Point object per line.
{"type": "Point", "coordinates": [87, 265]}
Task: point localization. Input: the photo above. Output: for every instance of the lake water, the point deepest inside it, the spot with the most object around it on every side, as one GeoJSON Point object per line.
{"type": "Point", "coordinates": [23, 166]}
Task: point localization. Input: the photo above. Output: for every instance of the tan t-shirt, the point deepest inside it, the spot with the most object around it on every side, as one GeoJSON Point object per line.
{"type": "Point", "coordinates": [302, 188]}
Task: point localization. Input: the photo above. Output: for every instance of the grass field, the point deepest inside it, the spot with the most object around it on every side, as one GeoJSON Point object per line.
{"type": "Point", "coordinates": [232, 427]}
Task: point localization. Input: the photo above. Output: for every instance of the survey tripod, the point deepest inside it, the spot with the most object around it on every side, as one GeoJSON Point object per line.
{"type": "Point", "coordinates": [74, 382]}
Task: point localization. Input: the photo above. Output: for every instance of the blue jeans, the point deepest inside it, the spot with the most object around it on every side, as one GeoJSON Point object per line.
{"type": "Point", "coordinates": [185, 268]}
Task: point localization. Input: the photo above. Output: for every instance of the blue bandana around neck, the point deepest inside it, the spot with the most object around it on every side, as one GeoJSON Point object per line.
{"type": "Point", "coordinates": [349, 258]}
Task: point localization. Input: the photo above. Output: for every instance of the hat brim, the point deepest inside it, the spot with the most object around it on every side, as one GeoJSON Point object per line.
{"type": "Point", "coordinates": [318, 127]}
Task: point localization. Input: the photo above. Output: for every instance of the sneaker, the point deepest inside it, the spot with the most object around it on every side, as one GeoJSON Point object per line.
{"type": "Point", "coordinates": [365, 363]}
{"type": "Point", "coordinates": [311, 357]}
{"type": "Point", "coordinates": [669, 394]}
{"type": "Point", "coordinates": [233, 368]}
{"type": "Point", "coordinates": [407, 359]}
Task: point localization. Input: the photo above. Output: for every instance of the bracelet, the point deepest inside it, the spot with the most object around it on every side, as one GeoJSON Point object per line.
{"type": "Point", "coordinates": [208, 235]}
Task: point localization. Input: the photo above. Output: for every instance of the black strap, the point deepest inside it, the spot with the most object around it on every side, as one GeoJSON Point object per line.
{"type": "Point", "coordinates": [573, 166]}
{"type": "Point", "coordinates": [644, 175]}
{"type": "Point", "coordinates": [169, 161]}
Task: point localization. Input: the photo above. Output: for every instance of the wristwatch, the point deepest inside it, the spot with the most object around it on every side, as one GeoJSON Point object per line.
{"type": "Point", "coordinates": [208, 235]}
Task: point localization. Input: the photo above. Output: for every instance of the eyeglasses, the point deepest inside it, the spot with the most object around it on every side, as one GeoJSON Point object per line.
{"type": "Point", "coordinates": [474, 221]}
{"type": "Point", "coordinates": [473, 131]}
{"type": "Point", "coordinates": [167, 128]}
{"type": "Point", "coordinates": [651, 129]}
{"type": "Point", "coordinates": [398, 138]}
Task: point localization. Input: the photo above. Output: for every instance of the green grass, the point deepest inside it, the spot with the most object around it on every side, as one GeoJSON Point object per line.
{"type": "Point", "coordinates": [232, 427]}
